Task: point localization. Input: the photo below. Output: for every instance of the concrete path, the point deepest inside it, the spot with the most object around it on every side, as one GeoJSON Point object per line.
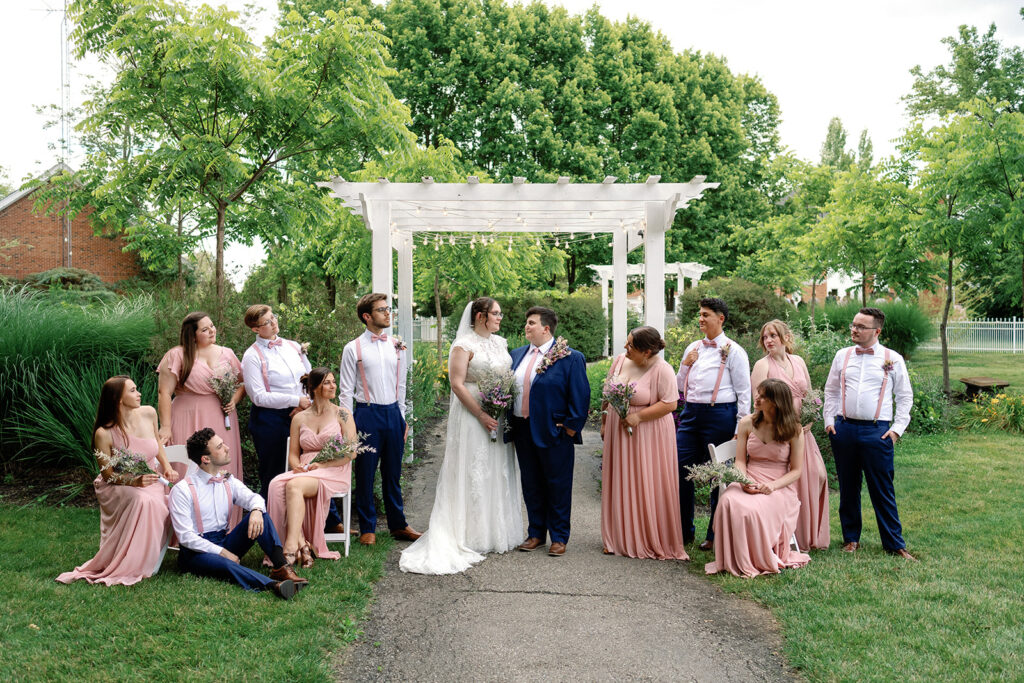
{"type": "Point", "coordinates": [531, 617]}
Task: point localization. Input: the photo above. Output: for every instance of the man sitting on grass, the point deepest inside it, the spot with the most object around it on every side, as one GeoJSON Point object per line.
{"type": "Point", "coordinates": [200, 505]}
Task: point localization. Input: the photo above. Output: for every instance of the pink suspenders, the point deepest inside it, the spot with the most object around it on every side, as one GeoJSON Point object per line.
{"type": "Point", "coordinates": [195, 502]}
{"type": "Point", "coordinates": [718, 382]}
{"type": "Point", "coordinates": [263, 361]}
{"type": "Point", "coordinates": [881, 392]}
{"type": "Point", "coordinates": [362, 372]}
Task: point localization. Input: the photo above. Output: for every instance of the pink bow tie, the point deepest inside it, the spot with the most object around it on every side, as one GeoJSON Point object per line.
{"type": "Point", "coordinates": [707, 342]}
{"type": "Point", "coordinates": [216, 480]}
{"type": "Point", "coordinates": [861, 351]}
{"type": "Point", "coordinates": [276, 342]}
{"type": "Point", "coordinates": [379, 337]}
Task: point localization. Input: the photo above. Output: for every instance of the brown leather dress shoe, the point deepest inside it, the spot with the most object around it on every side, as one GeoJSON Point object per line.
{"type": "Point", "coordinates": [406, 534]}
{"type": "Point", "coordinates": [286, 573]}
{"type": "Point", "coordinates": [340, 529]}
{"type": "Point", "coordinates": [707, 545]}
{"type": "Point", "coordinates": [902, 552]}
{"type": "Point", "coordinates": [368, 539]}
{"type": "Point", "coordinates": [556, 550]}
{"type": "Point", "coordinates": [851, 547]}
{"type": "Point", "coordinates": [284, 589]}
{"type": "Point", "coordinates": [532, 543]}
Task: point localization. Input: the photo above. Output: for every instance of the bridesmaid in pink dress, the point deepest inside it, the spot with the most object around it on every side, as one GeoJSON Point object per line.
{"type": "Point", "coordinates": [298, 499]}
{"type": "Point", "coordinates": [134, 521]}
{"type": "Point", "coordinates": [812, 529]}
{"type": "Point", "coordinates": [185, 371]}
{"type": "Point", "coordinates": [640, 471]}
{"type": "Point", "coordinates": [753, 524]}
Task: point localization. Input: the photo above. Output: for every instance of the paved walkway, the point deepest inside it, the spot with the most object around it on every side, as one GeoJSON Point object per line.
{"type": "Point", "coordinates": [531, 617]}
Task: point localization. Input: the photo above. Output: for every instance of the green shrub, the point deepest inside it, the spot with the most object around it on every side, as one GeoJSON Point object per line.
{"type": "Point", "coordinates": [818, 343]}
{"type": "Point", "coordinates": [932, 411]}
{"type": "Point", "coordinates": [906, 325]}
{"type": "Point", "coordinates": [66, 278]}
{"type": "Point", "coordinates": [596, 372]}
{"type": "Point", "coordinates": [750, 306]}
{"type": "Point", "coordinates": [1002, 411]}
{"type": "Point", "coordinates": [428, 387]}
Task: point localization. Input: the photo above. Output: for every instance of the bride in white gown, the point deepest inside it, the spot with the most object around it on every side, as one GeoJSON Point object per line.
{"type": "Point", "coordinates": [478, 502]}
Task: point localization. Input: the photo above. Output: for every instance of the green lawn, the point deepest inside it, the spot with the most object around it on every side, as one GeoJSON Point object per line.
{"type": "Point", "coordinates": [171, 626]}
{"type": "Point", "coordinates": [958, 614]}
{"type": "Point", "coordinates": [1007, 366]}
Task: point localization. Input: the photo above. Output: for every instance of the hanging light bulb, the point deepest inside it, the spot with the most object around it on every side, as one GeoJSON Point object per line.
{"type": "Point", "coordinates": [537, 242]}
{"type": "Point", "coordinates": [556, 242]}
{"type": "Point", "coordinates": [593, 235]}
{"type": "Point", "coordinates": [572, 235]}
{"type": "Point", "coordinates": [424, 240]}
{"type": "Point", "coordinates": [451, 240]}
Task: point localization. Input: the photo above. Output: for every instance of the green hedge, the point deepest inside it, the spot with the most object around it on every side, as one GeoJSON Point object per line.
{"type": "Point", "coordinates": [906, 325]}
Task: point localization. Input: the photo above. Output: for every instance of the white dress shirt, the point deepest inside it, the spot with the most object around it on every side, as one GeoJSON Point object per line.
{"type": "Point", "coordinates": [520, 373]}
{"type": "Point", "coordinates": [697, 382]}
{"type": "Point", "coordinates": [863, 384]}
{"type": "Point", "coordinates": [214, 506]}
{"type": "Point", "coordinates": [285, 367]}
{"type": "Point", "coordinates": [380, 360]}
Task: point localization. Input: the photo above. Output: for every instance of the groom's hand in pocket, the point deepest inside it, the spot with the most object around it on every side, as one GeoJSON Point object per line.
{"type": "Point", "coordinates": [570, 432]}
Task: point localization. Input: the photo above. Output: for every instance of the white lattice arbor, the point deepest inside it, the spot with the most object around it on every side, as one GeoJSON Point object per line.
{"type": "Point", "coordinates": [634, 214]}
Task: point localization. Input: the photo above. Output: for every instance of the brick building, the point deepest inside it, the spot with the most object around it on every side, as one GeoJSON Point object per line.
{"type": "Point", "coordinates": [42, 242]}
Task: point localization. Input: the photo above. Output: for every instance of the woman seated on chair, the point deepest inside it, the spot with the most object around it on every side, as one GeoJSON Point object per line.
{"type": "Point", "coordinates": [134, 521]}
{"type": "Point", "coordinates": [298, 499]}
{"type": "Point", "coordinates": [754, 524]}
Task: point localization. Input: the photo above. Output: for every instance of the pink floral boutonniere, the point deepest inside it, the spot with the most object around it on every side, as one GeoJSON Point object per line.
{"type": "Point", "coordinates": [558, 351]}
{"type": "Point", "coordinates": [303, 348]}
{"type": "Point", "coordinates": [724, 352]}
{"type": "Point", "coordinates": [887, 366]}
{"type": "Point", "coordinates": [398, 342]}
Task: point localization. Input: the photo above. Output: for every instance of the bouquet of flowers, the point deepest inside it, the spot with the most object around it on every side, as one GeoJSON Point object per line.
{"type": "Point", "coordinates": [810, 409]}
{"type": "Point", "coordinates": [497, 393]}
{"type": "Point", "coordinates": [617, 395]}
{"type": "Point", "coordinates": [715, 473]}
{"type": "Point", "coordinates": [339, 447]}
{"type": "Point", "coordinates": [224, 382]}
{"type": "Point", "coordinates": [124, 464]}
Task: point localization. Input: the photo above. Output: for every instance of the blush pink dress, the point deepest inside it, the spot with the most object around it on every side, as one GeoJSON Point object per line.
{"type": "Point", "coordinates": [640, 475]}
{"type": "Point", "coordinates": [134, 526]}
{"type": "Point", "coordinates": [331, 480]}
{"type": "Point", "coordinates": [812, 530]}
{"type": "Point", "coordinates": [752, 530]}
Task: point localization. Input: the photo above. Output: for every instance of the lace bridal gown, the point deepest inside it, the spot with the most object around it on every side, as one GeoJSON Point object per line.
{"type": "Point", "coordinates": [477, 505]}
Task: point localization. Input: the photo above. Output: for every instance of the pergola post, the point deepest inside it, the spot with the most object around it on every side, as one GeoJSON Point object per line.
{"type": "Point", "coordinates": [621, 286]}
{"type": "Point", "coordinates": [405, 323]}
{"type": "Point", "coordinates": [378, 220]}
{"type": "Point", "coordinates": [604, 310]}
{"type": "Point", "coordinates": [654, 265]}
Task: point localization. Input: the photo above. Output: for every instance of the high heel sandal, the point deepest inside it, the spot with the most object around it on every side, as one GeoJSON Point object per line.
{"type": "Point", "coordinates": [292, 558]}
{"type": "Point", "coordinates": [306, 556]}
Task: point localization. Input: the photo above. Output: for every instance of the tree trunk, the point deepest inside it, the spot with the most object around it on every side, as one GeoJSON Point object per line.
{"type": "Point", "coordinates": [437, 313]}
{"type": "Point", "coordinates": [570, 273]}
{"type": "Point", "coordinates": [181, 274]}
{"type": "Point", "coordinates": [943, 324]}
{"type": "Point", "coordinates": [814, 295]}
{"type": "Point", "coordinates": [863, 285]}
{"type": "Point", "coordinates": [282, 290]}
{"type": "Point", "coordinates": [332, 292]}
{"type": "Point", "coordinates": [222, 210]}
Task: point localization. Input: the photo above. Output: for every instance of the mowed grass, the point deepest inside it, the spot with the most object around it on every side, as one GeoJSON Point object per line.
{"type": "Point", "coordinates": [1005, 366]}
{"type": "Point", "coordinates": [958, 614]}
{"type": "Point", "coordinates": [168, 627]}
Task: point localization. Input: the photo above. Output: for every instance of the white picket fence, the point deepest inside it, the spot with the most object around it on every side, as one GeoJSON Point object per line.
{"type": "Point", "coordinates": [979, 336]}
{"type": "Point", "coordinates": [425, 329]}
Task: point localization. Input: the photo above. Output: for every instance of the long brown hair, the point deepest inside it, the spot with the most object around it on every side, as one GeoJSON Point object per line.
{"type": "Point", "coordinates": [312, 380]}
{"type": "Point", "coordinates": [787, 423]}
{"type": "Point", "coordinates": [108, 412]}
{"type": "Point", "coordinates": [187, 339]}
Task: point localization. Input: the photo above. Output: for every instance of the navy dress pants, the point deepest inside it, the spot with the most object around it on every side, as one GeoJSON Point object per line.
{"type": "Point", "coordinates": [238, 542]}
{"type": "Point", "coordinates": [546, 474]}
{"type": "Point", "coordinates": [701, 424]}
{"type": "Point", "coordinates": [385, 430]}
{"type": "Point", "coordinates": [861, 453]}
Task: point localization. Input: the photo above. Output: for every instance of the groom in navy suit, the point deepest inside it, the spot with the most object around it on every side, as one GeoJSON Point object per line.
{"type": "Point", "coordinates": [550, 410]}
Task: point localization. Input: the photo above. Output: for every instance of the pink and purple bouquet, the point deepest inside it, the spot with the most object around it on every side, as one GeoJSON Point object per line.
{"type": "Point", "coordinates": [810, 408]}
{"type": "Point", "coordinates": [497, 395]}
{"type": "Point", "coordinates": [224, 382]}
{"type": "Point", "coordinates": [125, 465]}
{"type": "Point", "coordinates": [617, 395]}
{"type": "Point", "coordinates": [339, 447]}
{"type": "Point", "coordinates": [715, 473]}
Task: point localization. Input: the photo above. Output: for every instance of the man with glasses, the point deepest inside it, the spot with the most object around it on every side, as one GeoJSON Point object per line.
{"type": "Point", "coordinates": [867, 408]}
{"type": "Point", "coordinates": [374, 369]}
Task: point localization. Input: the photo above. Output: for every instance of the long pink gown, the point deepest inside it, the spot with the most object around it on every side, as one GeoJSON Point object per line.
{"type": "Point", "coordinates": [331, 479]}
{"type": "Point", "coordinates": [812, 530]}
{"type": "Point", "coordinates": [196, 406]}
{"type": "Point", "coordinates": [752, 530]}
{"type": "Point", "coordinates": [640, 475]}
{"type": "Point", "coordinates": [134, 526]}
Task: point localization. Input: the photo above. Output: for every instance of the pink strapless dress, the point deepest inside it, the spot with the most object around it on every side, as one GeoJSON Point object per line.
{"type": "Point", "coordinates": [134, 526]}
{"type": "Point", "coordinates": [640, 475]}
{"type": "Point", "coordinates": [752, 530]}
{"type": "Point", "coordinates": [331, 480]}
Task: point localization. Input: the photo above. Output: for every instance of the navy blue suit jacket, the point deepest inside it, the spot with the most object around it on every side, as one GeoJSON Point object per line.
{"type": "Point", "coordinates": [559, 395]}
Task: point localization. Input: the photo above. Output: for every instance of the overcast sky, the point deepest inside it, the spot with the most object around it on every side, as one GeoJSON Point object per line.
{"type": "Point", "coordinates": [821, 58]}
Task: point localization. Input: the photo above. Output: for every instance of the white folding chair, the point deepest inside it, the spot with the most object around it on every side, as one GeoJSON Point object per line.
{"type": "Point", "coordinates": [725, 453]}
{"type": "Point", "coordinates": [177, 458]}
{"type": "Point", "coordinates": [346, 517]}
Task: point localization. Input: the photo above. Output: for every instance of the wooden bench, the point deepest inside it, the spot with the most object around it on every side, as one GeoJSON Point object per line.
{"type": "Point", "coordinates": [976, 385]}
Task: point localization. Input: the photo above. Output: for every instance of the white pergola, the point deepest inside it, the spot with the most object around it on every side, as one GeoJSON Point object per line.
{"type": "Point", "coordinates": [619, 273]}
{"type": "Point", "coordinates": [635, 214]}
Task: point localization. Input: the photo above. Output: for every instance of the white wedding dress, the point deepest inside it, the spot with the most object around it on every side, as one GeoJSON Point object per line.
{"type": "Point", "coordinates": [477, 506]}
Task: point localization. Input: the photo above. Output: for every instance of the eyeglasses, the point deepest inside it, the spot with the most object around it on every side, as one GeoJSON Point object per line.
{"type": "Point", "coordinates": [382, 309]}
{"type": "Point", "coordinates": [860, 328]}
{"type": "Point", "coordinates": [499, 314]}
{"type": "Point", "coordinates": [268, 321]}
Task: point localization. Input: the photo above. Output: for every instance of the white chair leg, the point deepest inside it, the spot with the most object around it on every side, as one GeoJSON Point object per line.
{"type": "Point", "coordinates": [347, 505]}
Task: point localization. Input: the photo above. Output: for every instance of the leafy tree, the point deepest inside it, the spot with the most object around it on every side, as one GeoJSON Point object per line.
{"type": "Point", "coordinates": [865, 151]}
{"type": "Point", "coordinates": [215, 120]}
{"type": "Point", "coordinates": [5, 184]}
{"type": "Point", "coordinates": [833, 149]}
